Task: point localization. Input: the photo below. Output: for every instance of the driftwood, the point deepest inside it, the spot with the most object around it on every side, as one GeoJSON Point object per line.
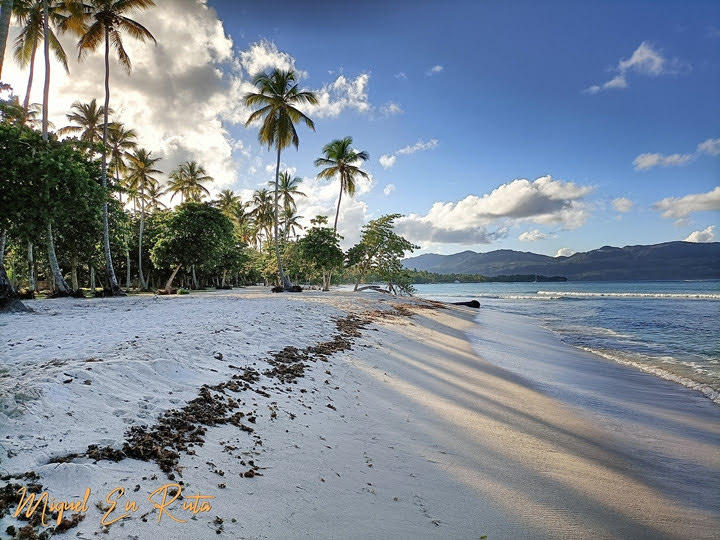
{"type": "Point", "coordinates": [470, 303]}
{"type": "Point", "coordinates": [374, 288]}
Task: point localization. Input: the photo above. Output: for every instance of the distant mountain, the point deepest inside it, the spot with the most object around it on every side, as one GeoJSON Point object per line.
{"type": "Point", "coordinates": [671, 260]}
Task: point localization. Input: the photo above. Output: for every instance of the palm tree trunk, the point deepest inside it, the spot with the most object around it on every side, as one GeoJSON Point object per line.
{"type": "Point", "coordinates": [31, 74]}
{"type": "Point", "coordinates": [73, 273]}
{"type": "Point", "coordinates": [143, 283]}
{"type": "Point", "coordinates": [337, 214]}
{"type": "Point", "coordinates": [172, 277]}
{"type": "Point", "coordinates": [114, 287]}
{"type": "Point", "coordinates": [3, 238]}
{"type": "Point", "coordinates": [92, 279]}
{"type": "Point", "coordinates": [285, 281]}
{"type": "Point", "coordinates": [46, 88]}
{"type": "Point", "coordinates": [60, 282]}
{"type": "Point", "coordinates": [127, 264]}
{"type": "Point", "coordinates": [194, 279]}
{"type": "Point", "coordinates": [31, 267]}
{"type": "Point", "coordinates": [5, 13]}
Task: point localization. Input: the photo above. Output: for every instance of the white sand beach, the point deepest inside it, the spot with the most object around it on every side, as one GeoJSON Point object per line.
{"type": "Point", "coordinates": [396, 428]}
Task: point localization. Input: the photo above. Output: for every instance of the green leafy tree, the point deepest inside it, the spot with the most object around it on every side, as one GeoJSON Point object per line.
{"type": "Point", "coordinates": [195, 234]}
{"type": "Point", "coordinates": [108, 20]}
{"type": "Point", "coordinates": [380, 251]}
{"type": "Point", "coordinates": [320, 250]}
{"type": "Point", "coordinates": [278, 97]}
{"type": "Point", "coordinates": [341, 160]}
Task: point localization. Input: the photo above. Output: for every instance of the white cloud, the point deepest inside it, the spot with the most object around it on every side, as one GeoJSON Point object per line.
{"type": "Point", "coordinates": [564, 252]}
{"type": "Point", "coordinates": [388, 160]}
{"type": "Point", "coordinates": [401, 76]}
{"type": "Point", "coordinates": [681, 207]}
{"type": "Point", "coordinates": [545, 202]}
{"type": "Point", "coordinates": [341, 94]}
{"type": "Point", "coordinates": [532, 236]}
{"type": "Point", "coordinates": [434, 70]}
{"type": "Point", "coordinates": [647, 161]}
{"type": "Point", "coordinates": [706, 235]}
{"type": "Point", "coordinates": [265, 55]}
{"type": "Point", "coordinates": [621, 204]}
{"type": "Point", "coordinates": [390, 109]}
{"type": "Point", "coordinates": [645, 60]}
{"type": "Point", "coordinates": [388, 189]}
{"type": "Point", "coordinates": [710, 146]}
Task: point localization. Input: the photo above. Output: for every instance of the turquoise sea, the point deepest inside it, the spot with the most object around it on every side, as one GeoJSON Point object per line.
{"type": "Point", "coordinates": [668, 328]}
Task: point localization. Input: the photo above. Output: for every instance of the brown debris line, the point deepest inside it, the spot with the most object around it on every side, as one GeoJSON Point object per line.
{"type": "Point", "coordinates": [178, 430]}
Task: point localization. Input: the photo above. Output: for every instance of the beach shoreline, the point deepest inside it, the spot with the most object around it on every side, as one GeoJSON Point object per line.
{"type": "Point", "coordinates": [407, 432]}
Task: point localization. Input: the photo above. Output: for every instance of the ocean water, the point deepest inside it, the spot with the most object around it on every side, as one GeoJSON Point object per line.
{"type": "Point", "coordinates": [668, 328]}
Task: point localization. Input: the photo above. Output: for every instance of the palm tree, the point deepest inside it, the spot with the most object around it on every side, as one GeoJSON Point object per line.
{"type": "Point", "coordinates": [87, 119]}
{"type": "Point", "coordinates": [291, 222]}
{"type": "Point", "coordinates": [120, 142]}
{"type": "Point", "coordinates": [29, 15]}
{"type": "Point", "coordinates": [140, 176]}
{"type": "Point", "coordinates": [341, 160]}
{"type": "Point", "coordinates": [262, 214]}
{"type": "Point", "coordinates": [227, 201]}
{"type": "Point", "coordinates": [108, 20]}
{"type": "Point", "coordinates": [154, 192]}
{"type": "Point", "coordinates": [288, 190]}
{"type": "Point", "coordinates": [187, 180]}
{"type": "Point", "coordinates": [278, 98]}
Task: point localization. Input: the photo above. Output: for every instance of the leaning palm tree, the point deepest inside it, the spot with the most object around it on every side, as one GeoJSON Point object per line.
{"type": "Point", "coordinates": [187, 180]}
{"type": "Point", "coordinates": [262, 214]}
{"type": "Point", "coordinates": [5, 11]}
{"type": "Point", "coordinates": [86, 121]}
{"type": "Point", "coordinates": [108, 20]}
{"type": "Point", "coordinates": [141, 176]}
{"type": "Point", "coordinates": [340, 160]}
{"type": "Point", "coordinates": [288, 189]}
{"type": "Point", "coordinates": [278, 97]}
{"type": "Point", "coordinates": [29, 15]}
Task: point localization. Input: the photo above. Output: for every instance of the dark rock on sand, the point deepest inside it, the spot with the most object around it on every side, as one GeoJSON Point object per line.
{"type": "Point", "coordinates": [470, 303]}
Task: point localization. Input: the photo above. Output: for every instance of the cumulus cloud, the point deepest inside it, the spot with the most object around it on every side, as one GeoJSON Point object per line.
{"type": "Point", "coordinates": [545, 202]}
{"type": "Point", "coordinates": [681, 207]}
{"type": "Point", "coordinates": [434, 70]}
{"type": "Point", "coordinates": [388, 160]}
{"type": "Point", "coordinates": [645, 60]}
{"type": "Point", "coordinates": [341, 94]}
{"type": "Point", "coordinates": [532, 236]}
{"type": "Point", "coordinates": [401, 76]}
{"type": "Point", "coordinates": [265, 55]}
{"type": "Point", "coordinates": [711, 147]}
{"type": "Point", "coordinates": [390, 109]}
{"type": "Point", "coordinates": [387, 190]}
{"type": "Point", "coordinates": [706, 235]}
{"type": "Point", "coordinates": [564, 252]}
{"type": "Point", "coordinates": [622, 204]}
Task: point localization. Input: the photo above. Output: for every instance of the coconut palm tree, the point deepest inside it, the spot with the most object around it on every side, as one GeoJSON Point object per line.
{"type": "Point", "coordinates": [29, 15]}
{"type": "Point", "coordinates": [288, 190]}
{"type": "Point", "coordinates": [340, 160]}
{"type": "Point", "coordinates": [262, 213]}
{"type": "Point", "coordinates": [86, 121]}
{"type": "Point", "coordinates": [187, 179]}
{"type": "Point", "coordinates": [290, 222]}
{"type": "Point", "coordinates": [227, 201]}
{"type": "Point", "coordinates": [107, 22]}
{"type": "Point", "coordinates": [154, 192]}
{"type": "Point", "coordinates": [278, 97]}
{"type": "Point", "coordinates": [141, 176]}
{"type": "Point", "coordinates": [120, 142]}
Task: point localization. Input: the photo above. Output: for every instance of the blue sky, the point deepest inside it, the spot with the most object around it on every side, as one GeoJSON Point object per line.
{"type": "Point", "coordinates": [536, 126]}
